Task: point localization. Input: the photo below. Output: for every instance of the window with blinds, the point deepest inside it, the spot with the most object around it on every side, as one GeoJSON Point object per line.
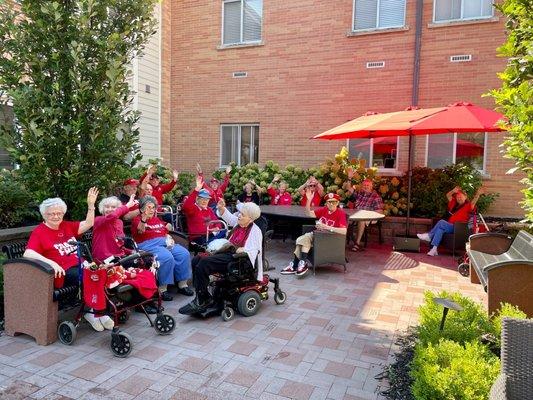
{"type": "Point", "coordinates": [242, 21]}
{"type": "Point", "coordinates": [239, 144]}
{"type": "Point", "coordinates": [378, 14]}
{"type": "Point", "coordinates": [457, 10]}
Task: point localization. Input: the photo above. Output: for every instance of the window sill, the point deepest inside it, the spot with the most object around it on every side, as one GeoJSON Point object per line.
{"type": "Point", "coordinates": [389, 172]}
{"type": "Point", "coordinates": [377, 31]}
{"type": "Point", "coordinates": [463, 22]}
{"type": "Point", "coordinates": [240, 45]}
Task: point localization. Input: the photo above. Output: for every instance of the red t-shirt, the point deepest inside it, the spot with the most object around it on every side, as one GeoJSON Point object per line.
{"type": "Point", "coordinates": [154, 228]}
{"type": "Point", "coordinates": [462, 214]}
{"type": "Point", "coordinates": [106, 229]}
{"type": "Point", "coordinates": [278, 199]}
{"type": "Point", "coordinates": [315, 202]}
{"type": "Point", "coordinates": [336, 219]}
{"type": "Point", "coordinates": [53, 245]}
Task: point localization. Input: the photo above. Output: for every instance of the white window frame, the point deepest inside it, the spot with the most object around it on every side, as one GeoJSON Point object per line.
{"type": "Point", "coordinates": [241, 41]}
{"type": "Point", "coordinates": [454, 151]}
{"type": "Point", "coordinates": [239, 136]}
{"type": "Point", "coordinates": [461, 18]}
{"type": "Point", "coordinates": [377, 28]}
{"type": "Point", "coordinates": [371, 156]}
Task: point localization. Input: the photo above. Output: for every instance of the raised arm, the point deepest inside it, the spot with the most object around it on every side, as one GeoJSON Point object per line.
{"type": "Point", "coordinates": [450, 194]}
{"type": "Point", "coordinates": [479, 192]}
{"type": "Point", "coordinates": [167, 187]}
{"type": "Point", "coordinates": [309, 196]}
{"type": "Point", "coordinates": [89, 218]}
{"type": "Point", "coordinates": [225, 182]}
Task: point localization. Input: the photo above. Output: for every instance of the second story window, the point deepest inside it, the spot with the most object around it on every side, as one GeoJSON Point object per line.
{"type": "Point", "coordinates": [378, 14]}
{"type": "Point", "coordinates": [457, 10]}
{"type": "Point", "coordinates": [242, 20]}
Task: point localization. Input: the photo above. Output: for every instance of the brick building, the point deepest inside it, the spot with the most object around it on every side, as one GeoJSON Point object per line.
{"type": "Point", "coordinates": [253, 80]}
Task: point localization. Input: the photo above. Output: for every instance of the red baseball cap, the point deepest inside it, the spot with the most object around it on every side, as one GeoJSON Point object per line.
{"type": "Point", "coordinates": [131, 181]}
{"type": "Point", "coordinates": [332, 196]}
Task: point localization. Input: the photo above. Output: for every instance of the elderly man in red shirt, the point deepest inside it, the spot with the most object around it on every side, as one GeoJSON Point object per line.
{"type": "Point", "coordinates": [158, 189]}
{"type": "Point", "coordinates": [459, 210]}
{"type": "Point", "coordinates": [199, 214]}
{"type": "Point", "coordinates": [215, 188]}
{"type": "Point", "coordinates": [279, 196]}
{"type": "Point", "coordinates": [331, 218]}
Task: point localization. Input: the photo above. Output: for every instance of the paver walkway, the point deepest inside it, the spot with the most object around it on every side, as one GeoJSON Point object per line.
{"type": "Point", "coordinates": [328, 340]}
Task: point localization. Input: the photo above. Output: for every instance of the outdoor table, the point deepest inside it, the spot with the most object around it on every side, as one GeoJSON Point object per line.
{"type": "Point", "coordinates": [362, 215]}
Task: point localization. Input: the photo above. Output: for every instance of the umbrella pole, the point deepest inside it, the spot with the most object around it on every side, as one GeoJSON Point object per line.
{"type": "Point", "coordinates": [409, 180]}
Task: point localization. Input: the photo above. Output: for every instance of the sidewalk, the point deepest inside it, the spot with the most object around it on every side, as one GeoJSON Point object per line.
{"type": "Point", "coordinates": [328, 340]}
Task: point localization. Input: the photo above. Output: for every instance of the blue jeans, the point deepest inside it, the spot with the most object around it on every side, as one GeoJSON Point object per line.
{"type": "Point", "coordinates": [439, 230]}
{"type": "Point", "coordinates": [174, 263]}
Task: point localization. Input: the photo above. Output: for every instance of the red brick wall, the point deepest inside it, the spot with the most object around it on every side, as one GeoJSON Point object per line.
{"type": "Point", "coordinates": [309, 76]}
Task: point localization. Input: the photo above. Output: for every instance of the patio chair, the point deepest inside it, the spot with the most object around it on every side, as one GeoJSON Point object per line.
{"type": "Point", "coordinates": [515, 381]}
{"type": "Point", "coordinates": [328, 248]}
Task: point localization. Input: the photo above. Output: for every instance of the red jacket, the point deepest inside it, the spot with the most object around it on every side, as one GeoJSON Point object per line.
{"type": "Point", "coordinates": [278, 199]}
{"type": "Point", "coordinates": [218, 194]}
{"type": "Point", "coordinates": [160, 190]}
{"type": "Point", "coordinates": [197, 217]}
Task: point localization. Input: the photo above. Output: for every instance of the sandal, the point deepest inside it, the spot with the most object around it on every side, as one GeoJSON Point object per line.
{"type": "Point", "coordinates": [357, 247]}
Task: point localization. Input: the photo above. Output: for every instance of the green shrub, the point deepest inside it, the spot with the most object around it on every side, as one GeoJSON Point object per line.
{"type": "Point", "coordinates": [17, 205]}
{"type": "Point", "coordinates": [505, 310]}
{"type": "Point", "coordinates": [447, 371]}
{"type": "Point", "coordinates": [460, 326]}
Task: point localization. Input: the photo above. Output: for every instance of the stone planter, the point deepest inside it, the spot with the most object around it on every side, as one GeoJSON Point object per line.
{"type": "Point", "coordinates": [395, 226]}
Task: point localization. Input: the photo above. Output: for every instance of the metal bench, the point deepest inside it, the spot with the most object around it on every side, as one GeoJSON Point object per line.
{"type": "Point", "coordinates": [506, 276]}
{"type": "Point", "coordinates": [32, 304]}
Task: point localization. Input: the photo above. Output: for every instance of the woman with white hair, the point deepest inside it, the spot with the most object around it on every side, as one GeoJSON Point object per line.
{"type": "Point", "coordinates": [109, 226]}
{"type": "Point", "coordinates": [49, 243]}
{"type": "Point", "coordinates": [246, 237]}
{"type": "Point", "coordinates": [150, 233]}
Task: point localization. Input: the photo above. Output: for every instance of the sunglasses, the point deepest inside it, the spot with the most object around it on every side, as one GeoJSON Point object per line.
{"type": "Point", "coordinates": [311, 185]}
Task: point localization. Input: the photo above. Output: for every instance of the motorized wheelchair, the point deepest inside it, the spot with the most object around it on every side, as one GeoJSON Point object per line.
{"type": "Point", "coordinates": [238, 288]}
{"type": "Point", "coordinates": [120, 300]}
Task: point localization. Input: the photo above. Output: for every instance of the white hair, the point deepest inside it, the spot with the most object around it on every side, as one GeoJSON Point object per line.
{"type": "Point", "coordinates": [250, 209]}
{"type": "Point", "coordinates": [53, 202]}
{"type": "Point", "coordinates": [107, 201]}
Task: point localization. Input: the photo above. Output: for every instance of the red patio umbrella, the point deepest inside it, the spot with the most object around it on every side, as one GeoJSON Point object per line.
{"type": "Point", "coordinates": [457, 117]}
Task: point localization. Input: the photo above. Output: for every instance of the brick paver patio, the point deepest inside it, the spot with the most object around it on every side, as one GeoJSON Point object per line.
{"type": "Point", "coordinates": [328, 340]}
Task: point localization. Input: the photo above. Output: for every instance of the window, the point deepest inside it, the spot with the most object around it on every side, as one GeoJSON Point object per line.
{"type": "Point", "coordinates": [452, 148]}
{"type": "Point", "coordinates": [241, 21]}
{"type": "Point", "coordinates": [378, 152]}
{"type": "Point", "coordinates": [239, 143]}
{"type": "Point", "coordinates": [456, 10]}
{"type": "Point", "coordinates": [377, 14]}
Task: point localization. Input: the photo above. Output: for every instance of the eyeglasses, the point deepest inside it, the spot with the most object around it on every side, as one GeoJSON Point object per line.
{"type": "Point", "coordinates": [311, 185]}
{"type": "Point", "coordinates": [332, 202]}
{"type": "Point", "coordinates": [54, 214]}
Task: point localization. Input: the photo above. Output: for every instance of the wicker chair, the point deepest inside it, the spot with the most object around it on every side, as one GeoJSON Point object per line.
{"type": "Point", "coordinates": [515, 381]}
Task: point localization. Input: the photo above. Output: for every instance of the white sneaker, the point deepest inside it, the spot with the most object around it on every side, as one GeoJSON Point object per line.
{"type": "Point", "coordinates": [107, 322]}
{"type": "Point", "coordinates": [433, 251]}
{"type": "Point", "coordinates": [288, 270]}
{"type": "Point", "coordinates": [95, 322]}
{"type": "Point", "coordinates": [424, 236]}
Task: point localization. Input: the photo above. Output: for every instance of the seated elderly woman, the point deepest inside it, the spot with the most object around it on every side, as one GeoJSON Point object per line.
{"type": "Point", "coordinates": [199, 215]}
{"type": "Point", "coordinates": [279, 196]}
{"type": "Point", "coordinates": [459, 210]}
{"type": "Point", "coordinates": [316, 188]}
{"type": "Point", "coordinates": [246, 237]}
{"type": "Point", "coordinates": [249, 195]}
{"type": "Point", "coordinates": [49, 242]}
{"type": "Point", "coordinates": [150, 233]}
{"type": "Point", "coordinates": [107, 231]}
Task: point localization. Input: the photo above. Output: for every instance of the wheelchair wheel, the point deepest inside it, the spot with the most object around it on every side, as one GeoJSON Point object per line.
{"type": "Point", "coordinates": [227, 314]}
{"type": "Point", "coordinates": [164, 324]}
{"type": "Point", "coordinates": [66, 331]}
{"type": "Point", "coordinates": [464, 269]}
{"type": "Point", "coordinates": [124, 317]}
{"type": "Point", "coordinates": [121, 344]}
{"type": "Point", "coordinates": [249, 303]}
{"type": "Point", "coordinates": [280, 297]}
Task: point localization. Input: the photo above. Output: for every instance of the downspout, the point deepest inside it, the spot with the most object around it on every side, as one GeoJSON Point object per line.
{"type": "Point", "coordinates": [414, 101]}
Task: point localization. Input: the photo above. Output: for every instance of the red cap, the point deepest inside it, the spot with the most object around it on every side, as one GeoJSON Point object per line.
{"type": "Point", "coordinates": [332, 196]}
{"type": "Point", "coordinates": [131, 181]}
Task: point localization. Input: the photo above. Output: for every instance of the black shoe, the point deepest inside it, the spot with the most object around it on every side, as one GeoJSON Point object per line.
{"type": "Point", "coordinates": [165, 296]}
{"type": "Point", "coordinates": [187, 291]}
{"type": "Point", "coordinates": [150, 309]}
{"type": "Point", "coordinates": [195, 307]}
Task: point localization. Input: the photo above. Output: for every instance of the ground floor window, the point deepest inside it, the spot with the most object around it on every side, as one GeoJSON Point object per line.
{"type": "Point", "coordinates": [452, 148]}
{"type": "Point", "coordinates": [378, 152]}
{"type": "Point", "coordinates": [239, 143]}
